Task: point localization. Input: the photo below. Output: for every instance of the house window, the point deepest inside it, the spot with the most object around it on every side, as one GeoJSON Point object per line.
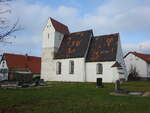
{"type": "Point", "coordinates": [58, 68]}
{"type": "Point", "coordinates": [71, 67]}
{"type": "Point", "coordinates": [99, 68]}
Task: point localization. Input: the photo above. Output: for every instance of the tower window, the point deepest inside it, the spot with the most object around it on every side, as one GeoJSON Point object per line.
{"type": "Point", "coordinates": [58, 68]}
{"type": "Point", "coordinates": [99, 68]}
{"type": "Point", "coordinates": [48, 36]}
{"type": "Point", "coordinates": [48, 26]}
{"type": "Point", "coordinates": [71, 67]}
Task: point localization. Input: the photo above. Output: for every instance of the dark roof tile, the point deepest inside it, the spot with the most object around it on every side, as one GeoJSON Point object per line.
{"type": "Point", "coordinates": [103, 48]}
{"type": "Point", "coordinates": [74, 45]}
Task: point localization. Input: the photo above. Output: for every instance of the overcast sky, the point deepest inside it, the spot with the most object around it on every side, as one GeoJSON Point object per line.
{"type": "Point", "coordinates": [131, 18]}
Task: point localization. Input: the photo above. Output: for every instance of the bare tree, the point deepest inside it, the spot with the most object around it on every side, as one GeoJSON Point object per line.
{"type": "Point", "coordinates": [133, 73]}
{"type": "Point", "coordinates": [6, 26]}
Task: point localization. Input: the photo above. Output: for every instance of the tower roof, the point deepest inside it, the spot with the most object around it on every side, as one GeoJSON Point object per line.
{"type": "Point", "coordinates": [59, 26]}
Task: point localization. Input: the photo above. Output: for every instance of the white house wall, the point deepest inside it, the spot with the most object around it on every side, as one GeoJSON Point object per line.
{"type": "Point", "coordinates": [137, 62]}
{"type": "Point", "coordinates": [107, 76]}
{"type": "Point", "coordinates": [3, 66]}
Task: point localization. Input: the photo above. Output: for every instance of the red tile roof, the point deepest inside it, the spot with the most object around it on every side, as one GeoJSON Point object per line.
{"type": "Point", "coordinates": [60, 27]}
{"type": "Point", "coordinates": [145, 57]}
{"type": "Point", "coordinates": [23, 61]}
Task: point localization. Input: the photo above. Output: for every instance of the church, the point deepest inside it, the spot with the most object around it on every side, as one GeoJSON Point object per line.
{"type": "Point", "coordinates": [80, 56]}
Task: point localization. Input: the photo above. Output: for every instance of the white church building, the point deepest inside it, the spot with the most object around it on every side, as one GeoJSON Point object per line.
{"type": "Point", "coordinates": [80, 56]}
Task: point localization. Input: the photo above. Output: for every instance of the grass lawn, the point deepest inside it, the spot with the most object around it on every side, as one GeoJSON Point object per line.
{"type": "Point", "coordinates": [74, 98]}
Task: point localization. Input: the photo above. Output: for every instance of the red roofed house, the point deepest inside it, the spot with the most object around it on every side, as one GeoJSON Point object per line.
{"type": "Point", "coordinates": [15, 64]}
{"type": "Point", "coordinates": [80, 56]}
{"type": "Point", "coordinates": [139, 61]}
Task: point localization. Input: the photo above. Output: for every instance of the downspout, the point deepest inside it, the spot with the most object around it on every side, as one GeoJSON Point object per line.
{"type": "Point", "coordinates": [147, 70]}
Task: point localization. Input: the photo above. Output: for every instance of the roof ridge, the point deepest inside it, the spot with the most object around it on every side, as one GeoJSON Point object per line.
{"type": "Point", "coordinates": [107, 35]}
{"type": "Point", "coordinates": [82, 31]}
{"type": "Point", "coordinates": [141, 53]}
{"type": "Point", "coordinates": [20, 55]}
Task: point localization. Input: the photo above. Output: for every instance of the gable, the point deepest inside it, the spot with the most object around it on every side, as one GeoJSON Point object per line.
{"type": "Point", "coordinates": [103, 48]}
{"type": "Point", "coordinates": [74, 45]}
{"type": "Point", "coordinates": [145, 57]}
{"type": "Point", "coordinates": [3, 64]}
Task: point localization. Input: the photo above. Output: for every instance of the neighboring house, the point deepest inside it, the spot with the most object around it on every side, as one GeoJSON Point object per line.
{"type": "Point", "coordinates": [140, 62]}
{"type": "Point", "coordinates": [80, 56]}
{"type": "Point", "coordinates": [12, 65]}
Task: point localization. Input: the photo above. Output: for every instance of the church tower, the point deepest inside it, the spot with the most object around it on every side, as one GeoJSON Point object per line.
{"type": "Point", "coordinates": [53, 34]}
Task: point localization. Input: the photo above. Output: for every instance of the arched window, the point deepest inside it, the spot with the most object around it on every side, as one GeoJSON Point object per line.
{"type": "Point", "coordinates": [99, 68]}
{"type": "Point", "coordinates": [58, 68]}
{"type": "Point", "coordinates": [71, 67]}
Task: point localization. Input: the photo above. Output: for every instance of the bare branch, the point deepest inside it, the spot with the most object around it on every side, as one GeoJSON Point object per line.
{"type": "Point", "coordinates": [6, 11]}
{"type": "Point", "coordinates": [5, 0]}
{"type": "Point", "coordinates": [6, 28]}
{"type": "Point", "coordinates": [12, 30]}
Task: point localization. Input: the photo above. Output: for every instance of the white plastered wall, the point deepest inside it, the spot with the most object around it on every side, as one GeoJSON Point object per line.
{"type": "Point", "coordinates": [77, 76]}
{"type": "Point", "coordinates": [107, 75]}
